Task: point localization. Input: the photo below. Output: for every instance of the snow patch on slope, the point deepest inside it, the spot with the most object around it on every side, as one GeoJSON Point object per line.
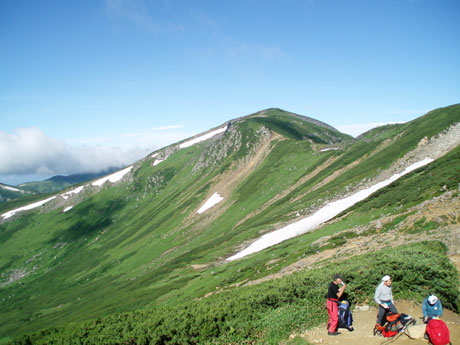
{"type": "Point", "coordinates": [67, 209]}
{"type": "Point", "coordinates": [158, 161]}
{"type": "Point", "coordinates": [25, 208]}
{"type": "Point", "coordinates": [9, 188]}
{"type": "Point", "coordinates": [213, 200]}
{"type": "Point", "coordinates": [112, 178]}
{"type": "Point", "coordinates": [190, 143]}
{"type": "Point", "coordinates": [324, 214]}
{"type": "Point", "coordinates": [77, 190]}
{"type": "Point", "coordinates": [202, 138]}
{"type": "Point", "coordinates": [117, 176]}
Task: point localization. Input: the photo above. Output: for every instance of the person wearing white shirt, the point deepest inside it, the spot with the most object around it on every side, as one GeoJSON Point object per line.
{"type": "Point", "coordinates": [384, 298]}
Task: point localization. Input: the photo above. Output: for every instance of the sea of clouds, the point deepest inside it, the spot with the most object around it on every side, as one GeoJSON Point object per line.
{"type": "Point", "coordinates": [29, 154]}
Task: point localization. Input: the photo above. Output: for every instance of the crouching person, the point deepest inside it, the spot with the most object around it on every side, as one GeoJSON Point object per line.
{"type": "Point", "coordinates": [431, 308]}
{"type": "Point", "coordinates": [333, 294]}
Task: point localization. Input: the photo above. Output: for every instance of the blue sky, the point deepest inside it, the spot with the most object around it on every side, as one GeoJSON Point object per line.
{"type": "Point", "coordinates": [92, 83]}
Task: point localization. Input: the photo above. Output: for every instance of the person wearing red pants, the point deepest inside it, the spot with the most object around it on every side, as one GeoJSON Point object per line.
{"type": "Point", "coordinates": [333, 294]}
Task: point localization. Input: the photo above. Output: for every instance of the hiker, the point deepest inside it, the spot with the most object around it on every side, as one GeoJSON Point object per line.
{"type": "Point", "coordinates": [431, 308]}
{"type": "Point", "coordinates": [333, 294]}
{"type": "Point", "coordinates": [384, 298]}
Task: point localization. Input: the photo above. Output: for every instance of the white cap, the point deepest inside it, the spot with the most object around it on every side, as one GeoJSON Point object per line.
{"type": "Point", "coordinates": [386, 278]}
{"type": "Point", "coordinates": [432, 299]}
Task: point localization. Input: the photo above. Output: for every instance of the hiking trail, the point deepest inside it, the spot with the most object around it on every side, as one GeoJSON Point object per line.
{"type": "Point", "coordinates": [364, 321]}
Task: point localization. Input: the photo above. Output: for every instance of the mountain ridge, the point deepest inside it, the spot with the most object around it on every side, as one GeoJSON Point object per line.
{"type": "Point", "coordinates": [140, 239]}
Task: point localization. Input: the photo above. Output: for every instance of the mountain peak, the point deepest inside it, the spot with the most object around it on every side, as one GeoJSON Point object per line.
{"type": "Point", "coordinates": [161, 236]}
{"type": "Point", "coordinates": [280, 112]}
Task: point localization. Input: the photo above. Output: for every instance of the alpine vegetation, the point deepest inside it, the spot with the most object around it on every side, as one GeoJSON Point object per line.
{"type": "Point", "coordinates": [322, 215]}
{"type": "Point", "coordinates": [148, 254]}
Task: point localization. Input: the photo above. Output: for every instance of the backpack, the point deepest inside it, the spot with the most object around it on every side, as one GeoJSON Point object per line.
{"type": "Point", "coordinates": [396, 323]}
{"type": "Point", "coordinates": [438, 332]}
{"type": "Point", "coordinates": [345, 317]}
{"type": "Point", "coordinates": [393, 325]}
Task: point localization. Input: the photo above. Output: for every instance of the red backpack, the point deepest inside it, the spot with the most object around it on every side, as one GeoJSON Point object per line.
{"type": "Point", "coordinates": [438, 332]}
{"type": "Point", "coordinates": [393, 326]}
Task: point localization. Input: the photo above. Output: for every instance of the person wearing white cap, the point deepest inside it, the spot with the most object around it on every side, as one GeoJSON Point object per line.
{"type": "Point", "coordinates": [384, 298]}
{"type": "Point", "coordinates": [431, 308]}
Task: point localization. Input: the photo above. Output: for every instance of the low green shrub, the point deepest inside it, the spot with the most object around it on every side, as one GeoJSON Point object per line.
{"type": "Point", "coordinates": [267, 313]}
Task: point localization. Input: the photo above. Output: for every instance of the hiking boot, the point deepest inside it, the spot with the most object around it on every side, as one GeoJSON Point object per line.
{"type": "Point", "coordinates": [333, 333]}
{"type": "Point", "coordinates": [351, 329]}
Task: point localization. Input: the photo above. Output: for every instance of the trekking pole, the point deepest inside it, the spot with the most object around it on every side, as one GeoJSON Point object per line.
{"type": "Point", "coordinates": [392, 339]}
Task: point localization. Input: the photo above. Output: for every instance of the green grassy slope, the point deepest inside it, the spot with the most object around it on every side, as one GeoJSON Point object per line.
{"type": "Point", "coordinates": [128, 242]}
{"type": "Point", "coordinates": [7, 195]}
{"type": "Point", "coordinates": [399, 140]}
{"type": "Point", "coordinates": [269, 312]}
{"type": "Point", "coordinates": [132, 245]}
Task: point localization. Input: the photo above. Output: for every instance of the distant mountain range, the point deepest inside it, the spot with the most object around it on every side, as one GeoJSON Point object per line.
{"type": "Point", "coordinates": [51, 185]}
{"type": "Point", "coordinates": [157, 252]}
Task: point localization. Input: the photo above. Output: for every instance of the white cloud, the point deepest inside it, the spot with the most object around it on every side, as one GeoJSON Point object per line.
{"type": "Point", "coordinates": [131, 10]}
{"type": "Point", "coordinates": [29, 151]}
{"type": "Point", "coordinates": [149, 139]}
{"type": "Point", "coordinates": [207, 23]}
{"type": "Point", "coordinates": [138, 12]}
{"type": "Point", "coordinates": [28, 154]}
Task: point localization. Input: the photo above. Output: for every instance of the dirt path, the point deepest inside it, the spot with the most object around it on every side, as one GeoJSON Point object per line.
{"type": "Point", "coordinates": [364, 321]}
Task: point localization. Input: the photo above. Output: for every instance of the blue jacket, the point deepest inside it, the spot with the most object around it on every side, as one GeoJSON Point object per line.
{"type": "Point", "coordinates": [431, 310]}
